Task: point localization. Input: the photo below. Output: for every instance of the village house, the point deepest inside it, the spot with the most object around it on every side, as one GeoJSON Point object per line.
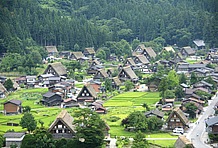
{"type": "Point", "coordinates": [213, 57]}
{"type": "Point", "coordinates": [187, 51]}
{"type": "Point", "coordinates": [14, 138]}
{"type": "Point", "coordinates": [154, 112]}
{"type": "Point", "coordinates": [126, 73]}
{"type": "Point", "coordinates": [212, 125]}
{"type": "Point", "coordinates": [199, 44]}
{"type": "Point", "coordinates": [63, 126]}
{"type": "Point", "coordinates": [31, 81]}
{"type": "Point", "coordinates": [168, 49]}
{"type": "Point", "coordinates": [141, 62]}
{"type": "Point", "coordinates": [87, 95]}
{"type": "Point", "coordinates": [129, 62]}
{"type": "Point", "coordinates": [110, 72]}
{"type": "Point", "coordinates": [57, 69]}
{"type": "Point", "coordinates": [115, 82]}
{"type": "Point", "coordinates": [21, 80]}
{"type": "Point", "coordinates": [177, 119]}
{"type": "Point", "coordinates": [94, 67]}
{"type": "Point", "coordinates": [186, 67]}
{"type": "Point", "coordinates": [51, 99]}
{"type": "Point", "coordinates": [100, 75]}
{"type": "Point", "coordinates": [178, 58]}
{"type": "Point", "coordinates": [199, 107]}
{"type": "Point", "coordinates": [78, 56]}
{"type": "Point", "coordinates": [51, 50]}
{"type": "Point", "coordinates": [139, 49]}
{"type": "Point", "coordinates": [149, 53]}
{"type": "Point", "coordinates": [62, 88]}
{"type": "Point", "coordinates": [64, 54]}
{"type": "Point", "coordinates": [68, 103]}
{"type": "Point", "coordinates": [97, 106]}
{"type": "Point", "coordinates": [202, 72]}
{"type": "Point", "coordinates": [3, 91]}
{"type": "Point", "coordinates": [13, 107]}
{"type": "Point", "coordinates": [183, 142]}
{"type": "Point", "coordinates": [167, 107]}
{"type": "Point", "coordinates": [89, 52]}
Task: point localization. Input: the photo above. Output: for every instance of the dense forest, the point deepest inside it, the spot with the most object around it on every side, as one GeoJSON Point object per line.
{"type": "Point", "coordinates": [75, 24]}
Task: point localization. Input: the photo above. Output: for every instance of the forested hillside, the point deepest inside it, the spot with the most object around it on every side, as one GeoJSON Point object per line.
{"type": "Point", "coordinates": [74, 24]}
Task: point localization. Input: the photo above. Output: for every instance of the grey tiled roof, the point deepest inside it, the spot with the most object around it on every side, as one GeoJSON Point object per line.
{"type": "Point", "coordinates": [14, 134]}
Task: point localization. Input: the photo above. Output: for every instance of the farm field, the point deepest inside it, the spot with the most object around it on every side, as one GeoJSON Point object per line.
{"type": "Point", "coordinates": [123, 104]}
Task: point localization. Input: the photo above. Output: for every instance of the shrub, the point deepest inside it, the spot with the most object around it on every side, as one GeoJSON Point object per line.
{"type": "Point", "coordinates": [113, 119]}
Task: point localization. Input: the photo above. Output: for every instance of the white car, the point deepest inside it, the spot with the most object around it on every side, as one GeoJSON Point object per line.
{"type": "Point", "coordinates": [178, 130]}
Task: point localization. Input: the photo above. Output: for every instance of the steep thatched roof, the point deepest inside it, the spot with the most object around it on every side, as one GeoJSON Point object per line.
{"type": "Point", "coordinates": [142, 59]}
{"type": "Point", "coordinates": [150, 52]}
{"type": "Point", "coordinates": [130, 72]}
{"type": "Point", "coordinates": [78, 55]}
{"type": "Point", "coordinates": [51, 49]}
{"type": "Point", "coordinates": [180, 115]}
{"type": "Point", "coordinates": [66, 119]}
{"type": "Point", "coordinates": [59, 68]}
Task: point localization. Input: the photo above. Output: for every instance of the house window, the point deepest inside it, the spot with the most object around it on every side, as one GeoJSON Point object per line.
{"type": "Point", "coordinates": [171, 120]}
{"type": "Point", "coordinates": [87, 94]}
{"type": "Point", "coordinates": [84, 91]}
{"type": "Point", "coordinates": [59, 131]}
{"type": "Point", "coordinates": [59, 126]}
{"type": "Point", "coordinates": [177, 120]}
{"type": "Point", "coordinates": [174, 115]}
{"type": "Point", "coordinates": [83, 94]}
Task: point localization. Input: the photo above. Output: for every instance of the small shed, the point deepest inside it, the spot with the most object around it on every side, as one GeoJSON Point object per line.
{"type": "Point", "coordinates": [14, 138]}
{"type": "Point", "coordinates": [12, 107]}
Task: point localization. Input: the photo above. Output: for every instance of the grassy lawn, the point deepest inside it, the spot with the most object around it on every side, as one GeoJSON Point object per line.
{"type": "Point", "coordinates": [163, 143]}
{"type": "Point", "coordinates": [79, 85]}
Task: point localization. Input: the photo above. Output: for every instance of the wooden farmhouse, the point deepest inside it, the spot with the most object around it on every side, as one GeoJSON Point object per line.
{"type": "Point", "coordinates": [63, 126]}
{"type": "Point", "coordinates": [77, 55]}
{"type": "Point", "coordinates": [115, 82]}
{"type": "Point", "coordinates": [199, 44]}
{"type": "Point", "coordinates": [177, 119]}
{"type": "Point", "coordinates": [51, 50]}
{"type": "Point", "coordinates": [187, 51]}
{"type": "Point", "coordinates": [212, 57]}
{"type": "Point", "coordinates": [212, 125]}
{"type": "Point", "coordinates": [94, 67]}
{"type": "Point", "coordinates": [64, 54]}
{"type": "Point", "coordinates": [183, 142]}
{"type": "Point", "coordinates": [12, 107]}
{"type": "Point", "coordinates": [168, 49]}
{"type": "Point", "coordinates": [101, 74]}
{"type": "Point", "coordinates": [13, 138]}
{"type": "Point", "coordinates": [126, 73]}
{"type": "Point", "coordinates": [51, 99]}
{"type": "Point", "coordinates": [149, 53]}
{"type": "Point", "coordinates": [141, 59]}
{"type": "Point", "coordinates": [129, 62]}
{"type": "Point", "coordinates": [89, 52]}
{"type": "Point", "coordinates": [87, 94]}
{"type": "Point", "coordinates": [57, 69]}
{"type": "Point", "coordinates": [110, 72]}
{"type": "Point", "coordinates": [155, 112]}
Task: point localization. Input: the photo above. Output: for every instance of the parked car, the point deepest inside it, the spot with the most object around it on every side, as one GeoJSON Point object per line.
{"type": "Point", "coordinates": [178, 130]}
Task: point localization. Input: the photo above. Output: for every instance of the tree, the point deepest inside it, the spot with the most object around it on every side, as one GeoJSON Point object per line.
{"type": "Point", "coordinates": [28, 121]}
{"type": "Point", "coordinates": [40, 138]}
{"type": "Point", "coordinates": [90, 127]}
{"type": "Point", "coordinates": [191, 109]}
{"type": "Point", "coordinates": [182, 79]}
{"type": "Point", "coordinates": [154, 123]}
{"type": "Point", "coordinates": [193, 78]}
{"type": "Point", "coordinates": [128, 85]}
{"type": "Point", "coordinates": [140, 141]}
{"type": "Point", "coordinates": [163, 86]}
{"type": "Point", "coordinates": [101, 54]}
{"type": "Point", "coordinates": [172, 79]}
{"type": "Point", "coordinates": [169, 94]}
{"type": "Point", "coordinates": [8, 84]}
{"type": "Point", "coordinates": [26, 109]}
{"type": "Point", "coordinates": [108, 85]}
{"type": "Point", "coordinates": [137, 120]}
{"type": "Point", "coordinates": [145, 105]}
{"type": "Point", "coordinates": [179, 92]}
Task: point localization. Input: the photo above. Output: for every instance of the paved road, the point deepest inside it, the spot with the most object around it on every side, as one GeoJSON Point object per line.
{"type": "Point", "coordinates": [197, 135]}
